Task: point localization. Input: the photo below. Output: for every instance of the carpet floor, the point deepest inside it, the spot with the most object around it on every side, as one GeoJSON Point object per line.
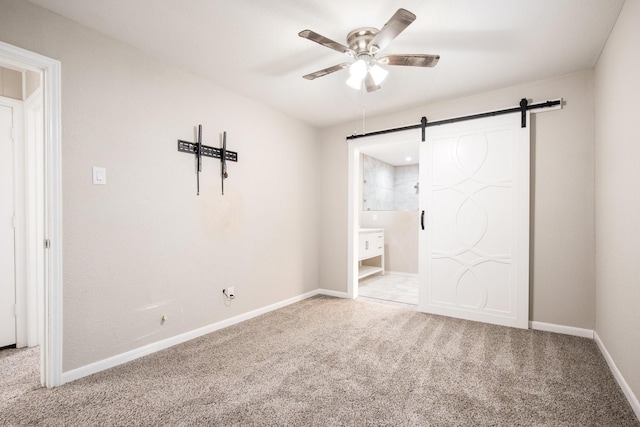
{"type": "Point", "coordinates": [334, 362]}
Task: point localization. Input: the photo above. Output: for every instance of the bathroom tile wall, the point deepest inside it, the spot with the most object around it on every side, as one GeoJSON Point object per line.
{"type": "Point", "coordinates": [378, 185]}
{"type": "Point", "coordinates": [405, 188]}
{"type": "Point", "coordinates": [389, 188]}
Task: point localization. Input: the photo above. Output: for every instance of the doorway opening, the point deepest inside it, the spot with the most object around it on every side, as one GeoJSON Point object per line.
{"type": "Point", "coordinates": [35, 123]}
{"type": "Point", "coordinates": [384, 219]}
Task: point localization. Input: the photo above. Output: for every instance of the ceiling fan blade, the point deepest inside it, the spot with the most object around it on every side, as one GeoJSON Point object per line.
{"type": "Point", "coordinates": [326, 71]}
{"type": "Point", "coordinates": [370, 84]}
{"type": "Point", "coordinates": [416, 60]}
{"type": "Point", "coordinates": [398, 22]}
{"type": "Point", "coordinates": [324, 41]}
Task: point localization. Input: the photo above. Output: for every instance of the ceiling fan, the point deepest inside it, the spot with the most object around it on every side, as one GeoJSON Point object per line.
{"type": "Point", "coordinates": [363, 46]}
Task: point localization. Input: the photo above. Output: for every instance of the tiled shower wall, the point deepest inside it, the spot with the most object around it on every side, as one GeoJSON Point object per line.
{"type": "Point", "coordinates": [405, 188]}
{"type": "Point", "coordinates": [387, 187]}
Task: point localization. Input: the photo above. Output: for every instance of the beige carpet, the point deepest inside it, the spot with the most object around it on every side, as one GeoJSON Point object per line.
{"type": "Point", "coordinates": [326, 361]}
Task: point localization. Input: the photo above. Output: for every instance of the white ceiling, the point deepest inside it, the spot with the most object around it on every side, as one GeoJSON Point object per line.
{"type": "Point", "coordinates": [252, 46]}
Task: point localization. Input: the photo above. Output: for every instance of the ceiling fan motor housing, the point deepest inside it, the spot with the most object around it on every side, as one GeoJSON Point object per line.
{"type": "Point", "coordinates": [358, 40]}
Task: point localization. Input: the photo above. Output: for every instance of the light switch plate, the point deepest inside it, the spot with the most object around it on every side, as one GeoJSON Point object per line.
{"type": "Point", "coordinates": [99, 176]}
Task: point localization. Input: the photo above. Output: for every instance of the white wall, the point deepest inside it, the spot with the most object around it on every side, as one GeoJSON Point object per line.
{"type": "Point", "coordinates": [617, 91]}
{"type": "Point", "coordinates": [563, 247]}
{"type": "Point", "coordinates": [144, 245]}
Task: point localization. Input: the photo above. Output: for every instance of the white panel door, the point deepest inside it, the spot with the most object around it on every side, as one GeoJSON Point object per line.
{"type": "Point", "coordinates": [7, 233]}
{"type": "Point", "coordinates": [474, 249]}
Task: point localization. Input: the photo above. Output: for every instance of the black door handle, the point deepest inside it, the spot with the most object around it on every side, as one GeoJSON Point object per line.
{"type": "Point", "coordinates": [422, 220]}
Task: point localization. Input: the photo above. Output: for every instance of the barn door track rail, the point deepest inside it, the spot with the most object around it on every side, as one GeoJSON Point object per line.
{"type": "Point", "coordinates": [523, 107]}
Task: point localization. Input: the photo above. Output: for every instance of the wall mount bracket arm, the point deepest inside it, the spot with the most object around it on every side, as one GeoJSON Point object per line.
{"type": "Point", "coordinates": [200, 150]}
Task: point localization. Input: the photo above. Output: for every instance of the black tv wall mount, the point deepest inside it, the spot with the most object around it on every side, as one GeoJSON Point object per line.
{"type": "Point", "coordinates": [200, 150]}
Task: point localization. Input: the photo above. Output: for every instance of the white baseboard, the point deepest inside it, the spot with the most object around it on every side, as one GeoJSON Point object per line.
{"type": "Point", "coordinates": [119, 359]}
{"type": "Point", "coordinates": [329, 293]}
{"type": "Point", "coordinates": [561, 329]}
{"type": "Point", "coordinates": [633, 400]}
{"type": "Point", "coordinates": [588, 333]}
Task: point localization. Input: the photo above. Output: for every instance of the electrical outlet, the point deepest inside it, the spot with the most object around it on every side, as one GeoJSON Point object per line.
{"type": "Point", "coordinates": [229, 292]}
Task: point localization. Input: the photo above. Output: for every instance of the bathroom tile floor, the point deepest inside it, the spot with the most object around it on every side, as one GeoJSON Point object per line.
{"type": "Point", "coordinates": [390, 289]}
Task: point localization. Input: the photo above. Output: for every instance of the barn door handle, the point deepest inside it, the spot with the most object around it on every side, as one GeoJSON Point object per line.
{"type": "Point", "coordinates": [422, 220]}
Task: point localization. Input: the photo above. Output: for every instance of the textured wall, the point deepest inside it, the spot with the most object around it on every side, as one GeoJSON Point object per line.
{"type": "Point", "coordinates": [562, 214]}
{"type": "Point", "coordinates": [617, 91]}
{"type": "Point", "coordinates": [144, 245]}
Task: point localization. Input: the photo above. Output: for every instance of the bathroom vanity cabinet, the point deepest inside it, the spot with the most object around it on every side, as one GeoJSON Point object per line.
{"type": "Point", "coordinates": [370, 252]}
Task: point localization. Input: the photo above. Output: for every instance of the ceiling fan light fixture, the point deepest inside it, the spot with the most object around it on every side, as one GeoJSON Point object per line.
{"type": "Point", "coordinates": [355, 82]}
{"type": "Point", "coordinates": [378, 74]}
{"type": "Point", "coordinates": [358, 69]}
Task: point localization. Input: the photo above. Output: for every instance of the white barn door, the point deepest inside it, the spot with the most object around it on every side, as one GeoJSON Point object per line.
{"type": "Point", "coordinates": [474, 248]}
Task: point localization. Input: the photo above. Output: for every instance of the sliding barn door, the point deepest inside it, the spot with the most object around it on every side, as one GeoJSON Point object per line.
{"type": "Point", "coordinates": [474, 237]}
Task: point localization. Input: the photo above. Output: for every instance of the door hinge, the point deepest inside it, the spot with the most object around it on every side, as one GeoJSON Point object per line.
{"type": "Point", "coordinates": [47, 243]}
{"type": "Point", "coordinates": [15, 310]}
{"type": "Point", "coordinates": [14, 221]}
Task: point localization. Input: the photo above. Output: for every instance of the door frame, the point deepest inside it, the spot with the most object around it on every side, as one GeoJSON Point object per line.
{"type": "Point", "coordinates": [355, 200]}
{"type": "Point", "coordinates": [34, 217]}
{"type": "Point", "coordinates": [51, 298]}
{"type": "Point", "coordinates": [354, 219]}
